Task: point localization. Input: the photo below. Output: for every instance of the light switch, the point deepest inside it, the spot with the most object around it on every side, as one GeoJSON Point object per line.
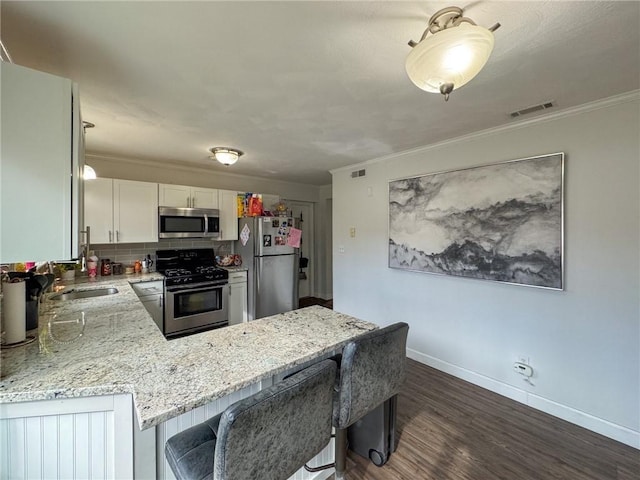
{"type": "Point", "coordinates": [352, 232]}
{"type": "Point", "coordinates": [341, 249]}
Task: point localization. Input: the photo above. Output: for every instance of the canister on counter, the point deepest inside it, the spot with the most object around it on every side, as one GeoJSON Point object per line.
{"type": "Point", "coordinates": [117, 268]}
{"type": "Point", "coordinates": [105, 267]}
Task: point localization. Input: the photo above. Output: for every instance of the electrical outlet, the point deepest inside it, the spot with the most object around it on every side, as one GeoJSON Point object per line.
{"type": "Point", "coordinates": [352, 232]}
{"type": "Point", "coordinates": [341, 249]}
{"type": "Point", "coordinates": [523, 369]}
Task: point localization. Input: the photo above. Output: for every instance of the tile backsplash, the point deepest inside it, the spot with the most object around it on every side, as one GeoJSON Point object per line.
{"type": "Point", "coordinates": [126, 253]}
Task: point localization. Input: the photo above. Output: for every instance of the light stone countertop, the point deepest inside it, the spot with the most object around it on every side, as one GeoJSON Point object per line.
{"type": "Point", "coordinates": [121, 350]}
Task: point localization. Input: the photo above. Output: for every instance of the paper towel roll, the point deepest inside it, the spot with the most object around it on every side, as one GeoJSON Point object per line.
{"type": "Point", "coordinates": [14, 309]}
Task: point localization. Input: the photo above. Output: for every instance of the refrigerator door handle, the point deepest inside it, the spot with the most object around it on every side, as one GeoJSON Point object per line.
{"type": "Point", "coordinates": [257, 275]}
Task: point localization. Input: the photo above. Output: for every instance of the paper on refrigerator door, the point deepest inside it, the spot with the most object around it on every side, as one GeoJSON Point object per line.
{"type": "Point", "coordinates": [244, 234]}
{"type": "Point", "coordinates": [293, 239]}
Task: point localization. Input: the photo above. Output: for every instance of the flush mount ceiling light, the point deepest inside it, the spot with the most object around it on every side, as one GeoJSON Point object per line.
{"type": "Point", "coordinates": [88, 173]}
{"type": "Point", "coordinates": [453, 54]}
{"type": "Point", "coordinates": [226, 156]}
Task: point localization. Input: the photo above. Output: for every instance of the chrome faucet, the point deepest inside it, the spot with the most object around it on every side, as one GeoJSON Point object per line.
{"type": "Point", "coordinates": [85, 249]}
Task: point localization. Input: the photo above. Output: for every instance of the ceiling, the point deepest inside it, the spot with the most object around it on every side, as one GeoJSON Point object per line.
{"type": "Point", "coordinates": [306, 87]}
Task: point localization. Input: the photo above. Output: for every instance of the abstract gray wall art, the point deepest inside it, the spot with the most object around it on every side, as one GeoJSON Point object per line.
{"type": "Point", "coordinates": [500, 222]}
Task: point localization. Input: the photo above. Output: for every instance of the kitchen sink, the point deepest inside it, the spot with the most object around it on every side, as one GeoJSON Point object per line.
{"type": "Point", "coordinates": [79, 294]}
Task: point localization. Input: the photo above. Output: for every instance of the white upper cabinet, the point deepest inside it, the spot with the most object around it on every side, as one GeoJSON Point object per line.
{"type": "Point", "coordinates": [228, 215]}
{"type": "Point", "coordinates": [42, 157]}
{"type": "Point", "coordinates": [204, 198]}
{"type": "Point", "coordinates": [121, 211]}
{"type": "Point", "coordinates": [98, 209]}
{"type": "Point", "coordinates": [187, 197]}
{"type": "Point", "coordinates": [135, 211]}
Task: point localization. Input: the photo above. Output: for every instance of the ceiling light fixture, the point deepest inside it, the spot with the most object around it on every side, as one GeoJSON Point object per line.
{"type": "Point", "coordinates": [88, 173]}
{"type": "Point", "coordinates": [453, 54]}
{"type": "Point", "coordinates": [226, 156]}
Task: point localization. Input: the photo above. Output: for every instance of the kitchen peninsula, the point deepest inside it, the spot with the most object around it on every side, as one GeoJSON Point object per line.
{"type": "Point", "coordinates": [99, 360]}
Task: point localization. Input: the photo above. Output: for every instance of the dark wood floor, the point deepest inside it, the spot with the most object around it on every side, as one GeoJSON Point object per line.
{"type": "Point", "coordinates": [308, 301]}
{"type": "Point", "coordinates": [452, 430]}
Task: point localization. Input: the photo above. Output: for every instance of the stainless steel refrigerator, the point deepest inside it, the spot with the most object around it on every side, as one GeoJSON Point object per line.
{"type": "Point", "coordinates": [272, 280]}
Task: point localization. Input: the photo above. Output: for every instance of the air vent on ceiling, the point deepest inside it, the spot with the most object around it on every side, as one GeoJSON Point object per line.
{"type": "Point", "coordinates": [534, 108]}
{"type": "Point", "coordinates": [358, 173]}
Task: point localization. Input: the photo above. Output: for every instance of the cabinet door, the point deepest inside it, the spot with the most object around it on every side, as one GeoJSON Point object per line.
{"type": "Point", "coordinates": [98, 209]}
{"type": "Point", "coordinates": [35, 144]}
{"type": "Point", "coordinates": [135, 211]}
{"type": "Point", "coordinates": [228, 215]}
{"type": "Point", "coordinates": [204, 197]}
{"type": "Point", "coordinates": [238, 302]}
{"type": "Point", "coordinates": [174, 195]}
{"type": "Point", "coordinates": [153, 304]}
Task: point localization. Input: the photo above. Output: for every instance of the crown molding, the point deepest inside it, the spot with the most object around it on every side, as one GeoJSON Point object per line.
{"type": "Point", "coordinates": [186, 167]}
{"type": "Point", "coordinates": [634, 95]}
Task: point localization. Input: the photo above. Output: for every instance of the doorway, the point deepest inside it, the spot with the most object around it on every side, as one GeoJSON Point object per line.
{"type": "Point", "coordinates": [303, 220]}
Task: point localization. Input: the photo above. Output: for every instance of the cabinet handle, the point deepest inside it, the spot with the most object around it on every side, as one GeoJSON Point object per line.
{"type": "Point", "coordinates": [110, 236]}
{"type": "Point", "coordinates": [188, 201]}
{"type": "Point", "coordinates": [193, 202]}
{"type": "Point", "coordinates": [117, 236]}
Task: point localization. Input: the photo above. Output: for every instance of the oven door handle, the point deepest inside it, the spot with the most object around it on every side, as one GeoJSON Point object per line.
{"type": "Point", "coordinates": [195, 288]}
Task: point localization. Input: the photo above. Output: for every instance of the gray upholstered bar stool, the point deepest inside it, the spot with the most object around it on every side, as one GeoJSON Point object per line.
{"type": "Point", "coordinates": [372, 370]}
{"type": "Point", "coordinates": [267, 436]}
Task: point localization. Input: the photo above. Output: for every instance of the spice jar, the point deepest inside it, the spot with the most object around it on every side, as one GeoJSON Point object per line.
{"type": "Point", "coordinates": [105, 267]}
{"type": "Point", "coordinates": [137, 267]}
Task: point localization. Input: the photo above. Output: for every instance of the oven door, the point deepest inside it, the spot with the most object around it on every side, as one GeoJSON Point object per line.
{"type": "Point", "coordinates": [195, 307]}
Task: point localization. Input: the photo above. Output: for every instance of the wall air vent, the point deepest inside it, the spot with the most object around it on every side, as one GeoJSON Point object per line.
{"type": "Point", "coordinates": [534, 108]}
{"type": "Point", "coordinates": [358, 173]}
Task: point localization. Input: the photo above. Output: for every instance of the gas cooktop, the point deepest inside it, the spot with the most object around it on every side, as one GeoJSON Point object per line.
{"type": "Point", "coordinates": [194, 265]}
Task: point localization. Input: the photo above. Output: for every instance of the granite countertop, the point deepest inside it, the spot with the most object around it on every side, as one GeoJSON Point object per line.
{"type": "Point", "coordinates": [236, 269]}
{"type": "Point", "coordinates": [110, 345]}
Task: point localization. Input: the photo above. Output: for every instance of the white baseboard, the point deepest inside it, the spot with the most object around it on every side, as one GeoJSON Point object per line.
{"type": "Point", "coordinates": [590, 422]}
{"type": "Point", "coordinates": [324, 474]}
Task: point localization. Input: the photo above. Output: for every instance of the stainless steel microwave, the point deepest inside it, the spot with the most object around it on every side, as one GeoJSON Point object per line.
{"type": "Point", "coordinates": [188, 222]}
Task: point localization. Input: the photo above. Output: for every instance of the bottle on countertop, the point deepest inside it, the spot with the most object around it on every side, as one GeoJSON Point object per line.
{"type": "Point", "coordinates": [105, 269]}
{"type": "Point", "coordinates": [92, 265]}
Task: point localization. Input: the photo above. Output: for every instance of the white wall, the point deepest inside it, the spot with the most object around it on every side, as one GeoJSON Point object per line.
{"type": "Point", "coordinates": [583, 342]}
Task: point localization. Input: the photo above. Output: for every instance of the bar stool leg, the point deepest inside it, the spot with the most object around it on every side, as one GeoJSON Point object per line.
{"type": "Point", "coordinates": [341, 453]}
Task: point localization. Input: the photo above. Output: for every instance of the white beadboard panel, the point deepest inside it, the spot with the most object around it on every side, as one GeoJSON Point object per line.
{"type": "Point", "coordinates": [98, 425]}
{"type": "Point", "coordinates": [123, 425]}
{"type": "Point", "coordinates": [33, 453]}
{"type": "Point", "coordinates": [82, 445]}
{"type": "Point", "coordinates": [49, 438]}
{"type": "Point", "coordinates": [49, 443]}
{"type": "Point", "coordinates": [66, 446]}
{"type": "Point", "coordinates": [16, 442]}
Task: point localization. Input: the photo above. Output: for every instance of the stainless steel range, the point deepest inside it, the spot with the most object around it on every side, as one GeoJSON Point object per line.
{"type": "Point", "coordinates": [196, 292]}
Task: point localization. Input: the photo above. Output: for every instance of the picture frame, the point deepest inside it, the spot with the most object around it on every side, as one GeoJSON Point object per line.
{"type": "Point", "coordinates": [502, 222]}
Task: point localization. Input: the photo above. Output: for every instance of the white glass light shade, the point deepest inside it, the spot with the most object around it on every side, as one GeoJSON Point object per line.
{"type": "Point", "coordinates": [226, 157]}
{"type": "Point", "coordinates": [88, 173]}
{"type": "Point", "coordinates": [454, 55]}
